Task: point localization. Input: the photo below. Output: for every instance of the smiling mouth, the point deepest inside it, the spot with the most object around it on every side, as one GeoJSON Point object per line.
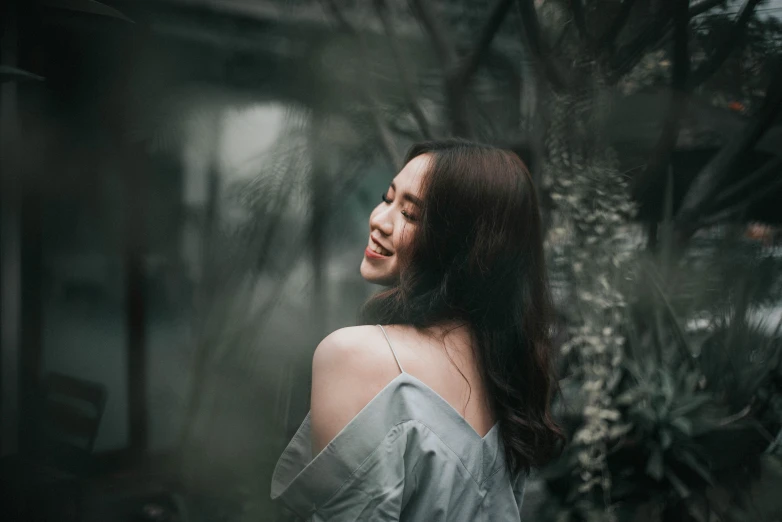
{"type": "Point", "coordinates": [375, 248]}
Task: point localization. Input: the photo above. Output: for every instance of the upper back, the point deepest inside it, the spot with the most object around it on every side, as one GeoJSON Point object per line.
{"type": "Point", "coordinates": [445, 361]}
{"type": "Point", "coordinates": [352, 365]}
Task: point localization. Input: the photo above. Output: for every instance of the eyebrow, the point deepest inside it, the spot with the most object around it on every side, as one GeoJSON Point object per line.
{"type": "Point", "coordinates": [409, 197]}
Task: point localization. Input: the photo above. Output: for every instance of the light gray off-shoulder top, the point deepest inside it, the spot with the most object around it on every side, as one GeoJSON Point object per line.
{"type": "Point", "coordinates": [408, 455]}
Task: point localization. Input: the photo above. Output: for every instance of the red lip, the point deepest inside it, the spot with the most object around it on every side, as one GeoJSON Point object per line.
{"type": "Point", "coordinates": [372, 254]}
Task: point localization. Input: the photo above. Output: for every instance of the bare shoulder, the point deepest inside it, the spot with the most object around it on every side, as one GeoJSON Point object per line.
{"type": "Point", "coordinates": [348, 370]}
{"type": "Point", "coordinates": [354, 346]}
{"type": "Point", "coordinates": [352, 334]}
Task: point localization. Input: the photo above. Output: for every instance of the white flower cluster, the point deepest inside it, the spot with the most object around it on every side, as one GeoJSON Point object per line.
{"type": "Point", "coordinates": [588, 245]}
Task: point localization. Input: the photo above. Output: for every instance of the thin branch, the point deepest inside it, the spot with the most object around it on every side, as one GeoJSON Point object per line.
{"type": "Point", "coordinates": [383, 133]}
{"type": "Point", "coordinates": [442, 44]}
{"type": "Point", "coordinates": [356, 174]}
{"type": "Point", "coordinates": [722, 52]}
{"type": "Point", "coordinates": [731, 419]}
{"type": "Point", "coordinates": [708, 180]}
{"type": "Point", "coordinates": [743, 205]}
{"type": "Point", "coordinates": [404, 76]}
{"type": "Point", "coordinates": [400, 130]}
{"type": "Point", "coordinates": [8, 74]}
{"type": "Point", "coordinates": [760, 193]}
{"type": "Point", "coordinates": [701, 6]}
{"type": "Point", "coordinates": [629, 55]}
{"type": "Point", "coordinates": [455, 89]}
{"type": "Point", "coordinates": [490, 30]}
{"type": "Point", "coordinates": [458, 80]}
{"type": "Point", "coordinates": [386, 139]}
{"type": "Point", "coordinates": [770, 167]}
{"type": "Point", "coordinates": [458, 76]}
{"type": "Point", "coordinates": [608, 38]}
{"type": "Point", "coordinates": [670, 133]}
{"type": "Point", "coordinates": [580, 21]}
{"type": "Point", "coordinates": [562, 34]}
{"type": "Point", "coordinates": [668, 310]}
{"type": "Point", "coordinates": [537, 47]}
{"type": "Point", "coordinates": [339, 16]}
{"type": "Point", "coordinates": [655, 32]}
{"type": "Point", "coordinates": [91, 7]}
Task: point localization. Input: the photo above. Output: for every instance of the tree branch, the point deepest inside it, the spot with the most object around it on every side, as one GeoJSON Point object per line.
{"type": "Point", "coordinates": [436, 32]}
{"type": "Point", "coordinates": [492, 27]}
{"type": "Point", "coordinates": [701, 6]}
{"type": "Point", "coordinates": [537, 47]}
{"type": "Point", "coordinates": [340, 17]}
{"type": "Point", "coordinates": [670, 133]}
{"type": "Point", "coordinates": [386, 139]}
{"type": "Point", "coordinates": [708, 180]}
{"type": "Point", "coordinates": [632, 53]}
{"type": "Point", "coordinates": [404, 76]}
{"type": "Point", "coordinates": [722, 52]}
{"type": "Point", "coordinates": [562, 34]}
{"type": "Point", "coordinates": [8, 74]}
{"type": "Point", "coordinates": [91, 7]}
{"type": "Point", "coordinates": [455, 89]}
{"type": "Point", "coordinates": [579, 18]}
{"type": "Point", "coordinates": [458, 76]}
{"type": "Point", "coordinates": [757, 177]}
{"type": "Point", "coordinates": [459, 79]}
{"type": "Point", "coordinates": [629, 55]}
{"type": "Point", "coordinates": [741, 206]}
{"type": "Point", "coordinates": [384, 135]}
{"type": "Point", "coordinates": [617, 24]}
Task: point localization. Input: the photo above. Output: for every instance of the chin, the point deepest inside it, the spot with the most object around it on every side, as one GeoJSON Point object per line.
{"type": "Point", "coordinates": [372, 275]}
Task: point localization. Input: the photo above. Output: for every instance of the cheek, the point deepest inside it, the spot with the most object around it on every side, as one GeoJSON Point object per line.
{"type": "Point", "coordinates": [405, 237]}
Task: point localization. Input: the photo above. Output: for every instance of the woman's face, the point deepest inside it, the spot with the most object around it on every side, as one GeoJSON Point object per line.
{"type": "Point", "coordinates": [393, 222]}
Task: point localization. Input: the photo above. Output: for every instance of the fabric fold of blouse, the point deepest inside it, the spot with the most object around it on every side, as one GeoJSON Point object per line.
{"type": "Point", "coordinates": [407, 455]}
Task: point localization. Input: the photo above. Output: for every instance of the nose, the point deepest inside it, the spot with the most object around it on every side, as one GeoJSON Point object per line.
{"type": "Point", "coordinates": [380, 219]}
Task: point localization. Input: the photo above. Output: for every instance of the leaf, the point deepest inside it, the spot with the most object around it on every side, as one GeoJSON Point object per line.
{"type": "Point", "coordinates": [12, 74]}
{"type": "Point", "coordinates": [693, 404]}
{"type": "Point", "coordinates": [683, 425]}
{"type": "Point", "coordinates": [697, 513]}
{"type": "Point", "coordinates": [677, 484]}
{"type": "Point", "coordinates": [646, 414]}
{"type": "Point", "coordinates": [692, 461]}
{"type": "Point", "coordinates": [668, 387]}
{"type": "Point", "coordinates": [634, 340]}
{"type": "Point", "coordinates": [655, 467]}
{"type": "Point", "coordinates": [628, 397]}
{"type": "Point", "coordinates": [671, 315]}
{"type": "Point", "coordinates": [619, 430]}
{"type": "Point", "coordinates": [666, 439]}
{"type": "Point", "coordinates": [87, 6]}
{"type": "Point", "coordinates": [666, 227]}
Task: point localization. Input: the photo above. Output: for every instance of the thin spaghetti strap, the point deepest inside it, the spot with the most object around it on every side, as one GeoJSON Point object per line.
{"type": "Point", "coordinates": [392, 348]}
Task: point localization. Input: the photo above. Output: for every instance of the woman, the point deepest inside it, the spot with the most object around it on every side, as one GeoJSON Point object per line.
{"type": "Point", "coordinates": [440, 414]}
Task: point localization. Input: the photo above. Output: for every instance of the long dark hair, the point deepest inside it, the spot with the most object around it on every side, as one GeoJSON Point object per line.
{"type": "Point", "coordinates": [477, 257]}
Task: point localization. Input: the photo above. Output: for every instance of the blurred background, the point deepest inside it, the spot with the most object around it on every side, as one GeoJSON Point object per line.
{"type": "Point", "coordinates": [185, 192]}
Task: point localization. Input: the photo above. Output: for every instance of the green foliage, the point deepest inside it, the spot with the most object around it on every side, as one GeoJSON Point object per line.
{"type": "Point", "coordinates": [686, 414]}
{"type": "Point", "coordinates": [681, 425]}
{"type": "Point", "coordinates": [672, 395]}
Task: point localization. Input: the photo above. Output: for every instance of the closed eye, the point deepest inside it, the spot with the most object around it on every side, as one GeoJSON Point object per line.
{"type": "Point", "coordinates": [405, 213]}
